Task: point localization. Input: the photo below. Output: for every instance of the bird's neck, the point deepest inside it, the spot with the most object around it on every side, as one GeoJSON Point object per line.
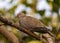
{"type": "Point", "coordinates": [22, 17]}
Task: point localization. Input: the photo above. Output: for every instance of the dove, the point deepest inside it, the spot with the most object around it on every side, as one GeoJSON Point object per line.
{"type": "Point", "coordinates": [32, 24]}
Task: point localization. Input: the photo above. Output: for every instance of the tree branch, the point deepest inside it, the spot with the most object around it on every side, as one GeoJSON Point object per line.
{"type": "Point", "coordinates": [49, 38]}
{"type": "Point", "coordinates": [11, 23]}
{"type": "Point", "coordinates": [9, 35]}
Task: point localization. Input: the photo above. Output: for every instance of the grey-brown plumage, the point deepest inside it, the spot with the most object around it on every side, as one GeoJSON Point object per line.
{"type": "Point", "coordinates": [31, 23]}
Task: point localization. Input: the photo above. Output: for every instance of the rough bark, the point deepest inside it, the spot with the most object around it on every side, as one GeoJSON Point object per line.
{"type": "Point", "coordinates": [9, 35]}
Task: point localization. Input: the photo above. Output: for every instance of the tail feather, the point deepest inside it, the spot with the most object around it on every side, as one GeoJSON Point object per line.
{"type": "Point", "coordinates": [43, 30]}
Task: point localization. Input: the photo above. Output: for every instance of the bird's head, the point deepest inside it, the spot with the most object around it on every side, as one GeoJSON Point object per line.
{"type": "Point", "coordinates": [21, 15]}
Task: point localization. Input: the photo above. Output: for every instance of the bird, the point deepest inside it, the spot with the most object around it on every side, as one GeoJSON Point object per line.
{"type": "Point", "coordinates": [32, 24]}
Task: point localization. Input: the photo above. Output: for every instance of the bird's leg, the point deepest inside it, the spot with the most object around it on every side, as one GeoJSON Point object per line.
{"type": "Point", "coordinates": [40, 34]}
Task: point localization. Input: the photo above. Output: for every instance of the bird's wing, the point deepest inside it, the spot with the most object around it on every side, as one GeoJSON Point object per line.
{"type": "Point", "coordinates": [41, 29]}
{"type": "Point", "coordinates": [31, 22]}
